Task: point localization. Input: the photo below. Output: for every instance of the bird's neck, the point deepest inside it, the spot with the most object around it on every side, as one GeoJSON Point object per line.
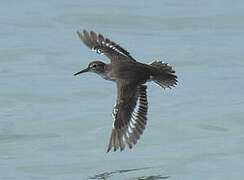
{"type": "Point", "coordinates": [105, 73]}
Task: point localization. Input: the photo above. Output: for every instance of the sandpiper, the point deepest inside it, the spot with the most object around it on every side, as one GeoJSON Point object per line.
{"type": "Point", "coordinates": [130, 110]}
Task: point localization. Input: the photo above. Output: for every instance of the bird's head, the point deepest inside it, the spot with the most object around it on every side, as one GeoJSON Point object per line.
{"type": "Point", "coordinates": [95, 66]}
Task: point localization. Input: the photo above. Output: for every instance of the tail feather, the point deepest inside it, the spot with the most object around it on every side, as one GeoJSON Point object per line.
{"type": "Point", "coordinates": [163, 74]}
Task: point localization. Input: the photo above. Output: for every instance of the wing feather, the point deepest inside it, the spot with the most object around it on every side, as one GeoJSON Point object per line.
{"type": "Point", "coordinates": [104, 46]}
{"type": "Point", "coordinates": [129, 115]}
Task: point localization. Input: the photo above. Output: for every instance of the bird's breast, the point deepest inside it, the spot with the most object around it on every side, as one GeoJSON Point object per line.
{"type": "Point", "coordinates": [108, 76]}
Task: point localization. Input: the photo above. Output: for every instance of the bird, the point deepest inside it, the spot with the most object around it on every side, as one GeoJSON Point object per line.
{"type": "Point", "coordinates": [130, 76]}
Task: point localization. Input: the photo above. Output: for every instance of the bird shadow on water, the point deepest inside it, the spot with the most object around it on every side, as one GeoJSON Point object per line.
{"type": "Point", "coordinates": [108, 175]}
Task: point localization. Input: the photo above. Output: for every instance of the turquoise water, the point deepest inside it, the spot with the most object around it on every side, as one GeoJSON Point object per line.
{"type": "Point", "coordinates": [57, 126]}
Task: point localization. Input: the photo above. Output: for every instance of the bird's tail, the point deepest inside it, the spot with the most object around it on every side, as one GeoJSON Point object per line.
{"type": "Point", "coordinates": [163, 74]}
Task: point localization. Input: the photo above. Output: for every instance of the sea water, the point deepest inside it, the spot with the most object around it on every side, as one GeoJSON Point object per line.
{"type": "Point", "coordinates": [54, 125]}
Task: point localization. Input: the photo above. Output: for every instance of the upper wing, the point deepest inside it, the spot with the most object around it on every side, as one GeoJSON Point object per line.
{"type": "Point", "coordinates": [104, 46]}
{"type": "Point", "coordinates": [130, 115]}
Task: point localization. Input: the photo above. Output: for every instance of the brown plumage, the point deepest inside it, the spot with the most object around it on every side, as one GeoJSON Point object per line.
{"type": "Point", "coordinates": [130, 110]}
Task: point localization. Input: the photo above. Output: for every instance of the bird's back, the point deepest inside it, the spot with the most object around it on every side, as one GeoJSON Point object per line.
{"type": "Point", "coordinates": [130, 71]}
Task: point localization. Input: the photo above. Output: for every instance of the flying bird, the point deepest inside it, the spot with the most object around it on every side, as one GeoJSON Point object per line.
{"type": "Point", "coordinates": [130, 76]}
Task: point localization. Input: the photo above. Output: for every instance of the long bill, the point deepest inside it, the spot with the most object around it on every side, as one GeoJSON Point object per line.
{"type": "Point", "coordinates": [82, 71]}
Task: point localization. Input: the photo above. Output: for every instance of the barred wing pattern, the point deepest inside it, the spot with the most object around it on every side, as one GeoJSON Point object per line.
{"type": "Point", "coordinates": [104, 46]}
{"type": "Point", "coordinates": [129, 118]}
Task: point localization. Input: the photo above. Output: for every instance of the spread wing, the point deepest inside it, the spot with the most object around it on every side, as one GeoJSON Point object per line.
{"type": "Point", "coordinates": [130, 116]}
{"type": "Point", "coordinates": [104, 46]}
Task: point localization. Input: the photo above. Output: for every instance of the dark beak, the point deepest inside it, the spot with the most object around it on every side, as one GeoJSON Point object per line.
{"type": "Point", "coordinates": [82, 71]}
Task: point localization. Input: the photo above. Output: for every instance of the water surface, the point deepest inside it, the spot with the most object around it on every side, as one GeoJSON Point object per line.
{"type": "Point", "coordinates": [56, 126]}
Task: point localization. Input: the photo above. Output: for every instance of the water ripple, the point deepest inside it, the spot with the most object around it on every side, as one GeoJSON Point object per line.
{"type": "Point", "coordinates": [107, 175]}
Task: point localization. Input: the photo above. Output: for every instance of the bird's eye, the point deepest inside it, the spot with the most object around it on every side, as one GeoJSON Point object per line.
{"type": "Point", "coordinates": [94, 65]}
